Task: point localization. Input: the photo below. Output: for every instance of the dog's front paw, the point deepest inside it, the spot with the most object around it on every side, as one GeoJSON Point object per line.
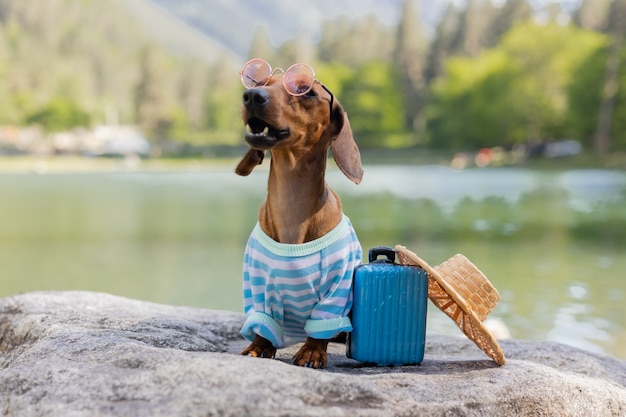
{"type": "Point", "coordinates": [312, 354]}
{"type": "Point", "coordinates": [260, 348]}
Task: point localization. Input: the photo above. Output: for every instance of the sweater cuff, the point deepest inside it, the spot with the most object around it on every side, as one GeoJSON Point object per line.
{"type": "Point", "coordinates": [265, 326]}
{"type": "Point", "coordinates": [327, 329]}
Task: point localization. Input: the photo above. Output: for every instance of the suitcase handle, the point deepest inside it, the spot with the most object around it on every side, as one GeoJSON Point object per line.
{"type": "Point", "coordinates": [385, 251]}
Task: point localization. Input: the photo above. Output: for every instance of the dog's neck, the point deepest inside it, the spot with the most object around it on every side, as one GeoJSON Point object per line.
{"type": "Point", "coordinates": [300, 206]}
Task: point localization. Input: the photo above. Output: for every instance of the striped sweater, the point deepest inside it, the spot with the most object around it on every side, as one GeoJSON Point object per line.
{"type": "Point", "coordinates": [293, 291]}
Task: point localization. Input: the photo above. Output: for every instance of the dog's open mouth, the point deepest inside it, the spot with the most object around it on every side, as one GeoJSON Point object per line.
{"type": "Point", "coordinates": [262, 135]}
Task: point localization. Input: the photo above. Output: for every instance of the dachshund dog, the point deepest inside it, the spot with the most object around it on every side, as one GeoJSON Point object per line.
{"type": "Point", "coordinates": [300, 257]}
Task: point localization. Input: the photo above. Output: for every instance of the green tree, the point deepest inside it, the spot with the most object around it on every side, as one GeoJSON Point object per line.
{"type": "Point", "coordinates": [592, 14]}
{"type": "Point", "coordinates": [409, 54]}
{"type": "Point", "coordinates": [192, 93]}
{"type": "Point", "coordinates": [517, 92]}
{"type": "Point", "coordinates": [59, 114]}
{"type": "Point", "coordinates": [223, 108]}
{"type": "Point", "coordinates": [585, 97]}
{"type": "Point", "coordinates": [152, 99]}
{"type": "Point", "coordinates": [441, 46]}
{"type": "Point", "coordinates": [373, 99]}
{"type": "Point", "coordinates": [298, 49]}
{"type": "Point", "coordinates": [469, 102]}
{"type": "Point", "coordinates": [510, 14]}
{"type": "Point", "coordinates": [616, 29]}
{"type": "Point", "coordinates": [355, 42]}
{"type": "Point", "coordinates": [468, 39]}
{"type": "Point", "coordinates": [261, 46]}
{"type": "Point", "coordinates": [335, 75]}
{"type": "Point", "coordinates": [335, 40]}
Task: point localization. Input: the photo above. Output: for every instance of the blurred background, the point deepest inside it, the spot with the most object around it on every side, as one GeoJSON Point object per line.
{"type": "Point", "coordinates": [492, 128]}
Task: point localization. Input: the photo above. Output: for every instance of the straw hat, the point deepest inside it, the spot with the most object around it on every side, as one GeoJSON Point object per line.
{"type": "Point", "coordinates": [464, 293]}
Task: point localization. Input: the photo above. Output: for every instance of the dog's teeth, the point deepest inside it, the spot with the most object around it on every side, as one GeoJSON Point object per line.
{"type": "Point", "coordinates": [266, 130]}
{"type": "Point", "coordinates": [248, 128]}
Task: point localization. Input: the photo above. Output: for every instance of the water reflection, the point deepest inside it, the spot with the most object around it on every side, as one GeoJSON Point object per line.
{"type": "Point", "coordinates": [575, 324]}
{"type": "Point", "coordinates": [443, 185]}
{"type": "Point", "coordinates": [591, 186]}
{"type": "Point", "coordinates": [551, 242]}
{"type": "Point", "coordinates": [581, 190]}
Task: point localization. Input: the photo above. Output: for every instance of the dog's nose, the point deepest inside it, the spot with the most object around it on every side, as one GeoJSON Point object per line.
{"type": "Point", "coordinates": [255, 97]}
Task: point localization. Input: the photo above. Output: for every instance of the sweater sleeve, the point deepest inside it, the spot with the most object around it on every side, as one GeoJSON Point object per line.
{"type": "Point", "coordinates": [261, 319]}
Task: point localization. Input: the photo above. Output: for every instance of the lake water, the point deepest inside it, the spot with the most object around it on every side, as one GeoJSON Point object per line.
{"type": "Point", "coordinates": [553, 242]}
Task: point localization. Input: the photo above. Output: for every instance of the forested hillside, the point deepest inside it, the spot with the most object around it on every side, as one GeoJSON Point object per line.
{"type": "Point", "coordinates": [69, 63]}
{"type": "Point", "coordinates": [489, 74]}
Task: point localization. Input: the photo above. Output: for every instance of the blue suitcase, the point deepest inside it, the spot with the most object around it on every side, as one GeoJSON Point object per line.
{"type": "Point", "coordinates": [388, 312]}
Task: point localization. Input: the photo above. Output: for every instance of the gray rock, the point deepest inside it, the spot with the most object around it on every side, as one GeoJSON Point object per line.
{"type": "Point", "coordinates": [88, 354]}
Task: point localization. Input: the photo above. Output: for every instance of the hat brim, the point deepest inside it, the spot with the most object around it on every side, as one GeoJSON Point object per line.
{"type": "Point", "coordinates": [448, 300]}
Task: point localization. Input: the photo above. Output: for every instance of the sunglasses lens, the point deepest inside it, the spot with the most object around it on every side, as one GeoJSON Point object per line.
{"type": "Point", "coordinates": [256, 72]}
{"type": "Point", "coordinates": [299, 79]}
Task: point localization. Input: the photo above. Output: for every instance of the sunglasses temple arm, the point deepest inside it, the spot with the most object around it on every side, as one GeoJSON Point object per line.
{"type": "Point", "coordinates": [332, 97]}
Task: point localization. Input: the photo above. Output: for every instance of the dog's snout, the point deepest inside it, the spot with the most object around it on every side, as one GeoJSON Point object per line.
{"type": "Point", "coordinates": [255, 97]}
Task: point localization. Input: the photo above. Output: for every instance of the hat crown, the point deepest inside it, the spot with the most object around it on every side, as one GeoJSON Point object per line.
{"type": "Point", "coordinates": [471, 284]}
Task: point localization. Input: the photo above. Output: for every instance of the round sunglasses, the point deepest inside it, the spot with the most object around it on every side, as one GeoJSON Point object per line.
{"type": "Point", "coordinates": [298, 79]}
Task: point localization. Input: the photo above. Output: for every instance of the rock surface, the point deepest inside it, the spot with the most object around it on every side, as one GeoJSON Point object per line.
{"type": "Point", "coordinates": [89, 354]}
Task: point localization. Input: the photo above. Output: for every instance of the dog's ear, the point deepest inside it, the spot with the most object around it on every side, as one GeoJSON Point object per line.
{"type": "Point", "coordinates": [345, 150]}
{"type": "Point", "coordinates": [251, 159]}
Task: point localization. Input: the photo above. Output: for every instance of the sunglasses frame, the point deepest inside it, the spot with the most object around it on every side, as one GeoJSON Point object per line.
{"type": "Point", "coordinates": [244, 76]}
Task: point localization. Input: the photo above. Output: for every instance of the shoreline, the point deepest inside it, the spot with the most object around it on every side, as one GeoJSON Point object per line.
{"type": "Point", "coordinates": [59, 164]}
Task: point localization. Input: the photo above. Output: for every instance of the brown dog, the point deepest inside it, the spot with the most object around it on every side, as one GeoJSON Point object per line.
{"type": "Point", "coordinates": [300, 211]}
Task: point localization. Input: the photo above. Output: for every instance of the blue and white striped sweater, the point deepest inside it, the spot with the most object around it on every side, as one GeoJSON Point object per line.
{"type": "Point", "coordinates": [293, 291]}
